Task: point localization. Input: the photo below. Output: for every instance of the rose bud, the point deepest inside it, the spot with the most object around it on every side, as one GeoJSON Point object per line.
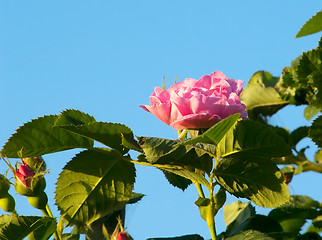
{"type": "Point", "coordinates": [38, 202]}
{"type": "Point", "coordinates": [36, 163]}
{"type": "Point", "coordinates": [123, 236]}
{"type": "Point", "coordinates": [197, 104]}
{"type": "Point", "coordinates": [7, 203]}
{"type": "Point", "coordinates": [4, 185]}
{"type": "Point", "coordinates": [27, 183]}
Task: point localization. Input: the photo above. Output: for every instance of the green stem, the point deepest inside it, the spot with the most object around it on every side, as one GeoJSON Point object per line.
{"type": "Point", "coordinates": [47, 212]}
{"type": "Point", "coordinates": [200, 191]}
{"type": "Point", "coordinates": [212, 212]}
{"type": "Point", "coordinates": [44, 212]}
{"type": "Point", "coordinates": [183, 134]}
{"type": "Point", "coordinates": [300, 161]}
{"type": "Point", "coordinates": [212, 228]}
{"type": "Point", "coordinates": [50, 214]}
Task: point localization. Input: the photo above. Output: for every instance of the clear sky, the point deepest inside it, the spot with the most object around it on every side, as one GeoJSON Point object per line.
{"type": "Point", "coordinates": [106, 57]}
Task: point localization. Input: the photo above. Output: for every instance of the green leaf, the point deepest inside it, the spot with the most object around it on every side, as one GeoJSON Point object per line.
{"type": "Point", "coordinates": [317, 222]}
{"type": "Point", "coordinates": [177, 181]}
{"type": "Point", "coordinates": [298, 134]}
{"type": "Point", "coordinates": [315, 132]}
{"type": "Point", "coordinates": [197, 157]}
{"type": "Point", "coordinates": [135, 198]}
{"type": "Point", "coordinates": [260, 96]}
{"type": "Point", "coordinates": [39, 137]}
{"type": "Point", "coordinates": [252, 138]}
{"type": "Point", "coordinates": [131, 143]}
{"type": "Point", "coordinates": [157, 148]}
{"type": "Point", "coordinates": [300, 201]}
{"type": "Point", "coordinates": [310, 235]}
{"type": "Point", "coordinates": [93, 184]}
{"type": "Point", "coordinates": [19, 227]}
{"type": "Point", "coordinates": [259, 223]}
{"type": "Point", "coordinates": [264, 79]}
{"type": "Point", "coordinates": [214, 134]}
{"type": "Point", "coordinates": [313, 25]}
{"type": "Point", "coordinates": [301, 82]}
{"type": "Point", "coordinates": [109, 134]}
{"type": "Point", "coordinates": [46, 229]}
{"type": "Point", "coordinates": [282, 132]}
{"type": "Point", "coordinates": [238, 212]}
{"type": "Point", "coordinates": [308, 75]}
{"type": "Point", "coordinates": [183, 160]}
{"type": "Point", "coordinates": [310, 111]}
{"type": "Point", "coordinates": [219, 199]}
{"type": "Point", "coordinates": [186, 173]}
{"type": "Point", "coordinates": [288, 222]}
{"type": "Point", "coordinates": [257, 179]}
{"type": "Point", "coordinates": [202, 148]}
{"type": "Point", "coordinates": [293, 215]}
{"type": "Point", "coordinates": [165, 151]}
{"type": "Point", "coordinates": [250, 235]}
{"type": "Point", "coordinates": [311, 68]}
{"type": "Point", "coordinates": [312, 229]}
{"type": "Point", "coordinates": [318, 157]}
{"type": "Point", "coordinates": [193, 152]}
{"type": "Point", "coordinates": [73, 117]}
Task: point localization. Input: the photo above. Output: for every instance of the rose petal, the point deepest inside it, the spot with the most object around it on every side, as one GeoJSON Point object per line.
{"type": "Point", "coordinates": [161, 111]}
{"type": "Point", "coordinates": [193, 121]}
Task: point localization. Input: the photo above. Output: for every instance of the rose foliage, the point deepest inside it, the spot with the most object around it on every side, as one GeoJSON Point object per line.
{"type": "Point", "coordinates": [226, 146]}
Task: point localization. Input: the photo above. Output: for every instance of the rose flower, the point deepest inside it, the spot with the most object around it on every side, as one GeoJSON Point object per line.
{"type": "Point", "coordinates": [195, 104]}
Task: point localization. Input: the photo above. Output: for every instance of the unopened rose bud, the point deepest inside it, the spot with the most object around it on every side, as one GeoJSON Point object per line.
{"type": "Point", "coordinates": [38, 202]}
{"type": "Point", "coordinates": [27, 183]}
{"type": "Point", "coordinates": [36, 163]}
{"type": "Point", "coordinates": [4, 185]}
{"type": "Point", "coordinates": [7, 203]}
{"type": "Point", "coordinates": [123, 236]}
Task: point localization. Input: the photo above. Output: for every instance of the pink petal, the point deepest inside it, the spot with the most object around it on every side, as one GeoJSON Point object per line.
{"type": "Point", "coordinates": [204, 82]}
{"type": "Point", "coordinates": [218, 75]}
{"type": "Point", "coordinates": [194, 121]}
{"type": "Point", "coordinates": [26, 171]}
{"type": "Point", "coordinates": [182, 105]}
{"type": "Point", "coordinates": [21, 178]}
{"type": "Point", "coordinates": [161, 111]}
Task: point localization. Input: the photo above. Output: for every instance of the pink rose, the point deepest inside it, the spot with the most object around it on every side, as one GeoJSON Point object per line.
{"type": "Point", "coordinates": [194, 104]}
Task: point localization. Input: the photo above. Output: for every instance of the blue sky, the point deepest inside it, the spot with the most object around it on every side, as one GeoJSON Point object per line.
{"type": "Point", "coordinates": [106, 57]}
